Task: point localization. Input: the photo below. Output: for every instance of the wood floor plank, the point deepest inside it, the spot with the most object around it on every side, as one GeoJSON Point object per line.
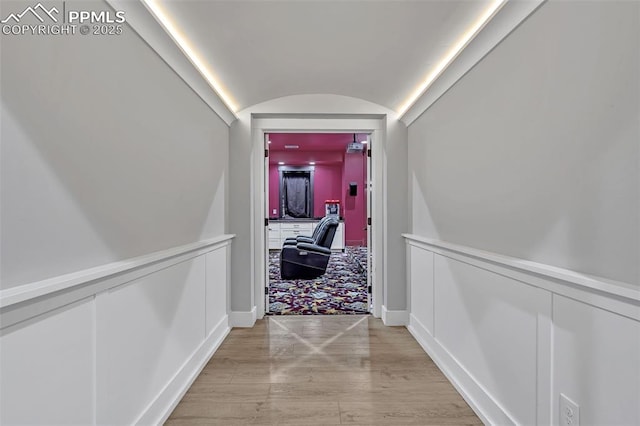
{"type": "Point", "coordinates": [327, 370]}
{"type": "Point", "coordinates": [440, 412]}
{"type": "Point", "coordinates": [230, 392]}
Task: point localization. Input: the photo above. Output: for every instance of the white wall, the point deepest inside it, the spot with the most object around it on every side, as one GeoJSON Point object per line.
{"type": "Point", "coordinates": [113, 202]}
{"type": "Point", "coordinates": [524, 199]}
{"type": "Point", "coordinates": [106, 154]}
{"type": "Point", "coordinates": [534, 153]}
{"type": "Point", "coordinates": [245, 196]}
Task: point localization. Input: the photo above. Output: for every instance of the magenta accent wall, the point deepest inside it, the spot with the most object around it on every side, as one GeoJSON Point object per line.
{"type": "Point", "coordinates": [327, 185]}
{"type": "Point", "coordinates": [355, 207]}
{"type": "Point", "coordinates": [331, 179]}
{"type": "Point", "coordinates": [274, 191]}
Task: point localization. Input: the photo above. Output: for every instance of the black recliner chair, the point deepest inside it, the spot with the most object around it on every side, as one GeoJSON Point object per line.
{"type": "Point", "coordinates": [311, 239]}
{"type": "Point", "coordinates": [304, 260]}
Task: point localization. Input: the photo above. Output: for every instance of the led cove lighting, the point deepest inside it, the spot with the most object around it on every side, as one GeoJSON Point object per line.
{"type": "Point", "coordinates": [190, 52]}
{"type": "Point", "coordinates": [471, 32]}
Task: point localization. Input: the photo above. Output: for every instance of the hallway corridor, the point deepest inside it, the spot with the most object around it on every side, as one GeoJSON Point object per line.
{"type": "Point", "coordinates": [327, 370]}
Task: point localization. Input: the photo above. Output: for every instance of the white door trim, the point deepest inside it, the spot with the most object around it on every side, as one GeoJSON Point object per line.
{"type": "Point", "coordinates": [321, 123]}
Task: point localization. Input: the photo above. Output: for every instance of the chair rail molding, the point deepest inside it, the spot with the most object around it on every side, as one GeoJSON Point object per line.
{"type": "Point", "coordinates": [23, 293]}
{"type": "Point", "coordinates": [555, 278]}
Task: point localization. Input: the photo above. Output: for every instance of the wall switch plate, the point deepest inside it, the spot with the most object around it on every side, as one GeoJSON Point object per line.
{"type": "Point", "coordinates": [569, 412]}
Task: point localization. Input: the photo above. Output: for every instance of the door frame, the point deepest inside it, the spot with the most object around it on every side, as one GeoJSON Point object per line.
{"type": "Point", "coordinates": [372, 124]}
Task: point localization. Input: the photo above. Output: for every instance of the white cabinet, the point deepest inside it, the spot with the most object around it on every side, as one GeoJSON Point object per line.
{"type": "Point", "coordinates": [338, 239]}
{"type": "Point", "coordinates": [279, 231]}
{"type": "Point", "coordinates": [274, 236]}
{"type": "Point", "coordinates": [293, 229]}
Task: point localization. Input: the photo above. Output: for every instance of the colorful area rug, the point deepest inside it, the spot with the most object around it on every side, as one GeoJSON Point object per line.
{"type": "Point", "coordinates": [341, 290]}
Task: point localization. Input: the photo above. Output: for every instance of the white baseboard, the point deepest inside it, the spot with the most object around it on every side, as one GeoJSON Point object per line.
{"type": "Point", "coordinates": [480, 401]}
{"type": "Point", "coordinates": [161, 408]}
{"type": "Point", "coordinates": [243, 318]}
{"type": "Point", "coordinates": [392, 318]}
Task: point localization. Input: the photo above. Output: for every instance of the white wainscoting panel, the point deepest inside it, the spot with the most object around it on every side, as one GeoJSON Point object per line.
{"type": "Point", "coordinates": [422, 290]}
{"type": "Point", "coordinates": [216, 288]}
{"type": "Point", "coordinates": [118, 344]}
{"type": "Point", "coordinates": [146, 331]}
{"type": "Point", "coordinates": [597, 362]}
{"type": "Point", "coordinates": [47, 366]}
{"type": "Point", "coordinates": [512, 335]}
{"type": "Point", "coordinates": [489, 324]}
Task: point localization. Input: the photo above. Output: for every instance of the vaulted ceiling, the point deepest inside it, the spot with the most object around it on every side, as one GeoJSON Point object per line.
{"type": "Point", "coordinates": [379, 51]}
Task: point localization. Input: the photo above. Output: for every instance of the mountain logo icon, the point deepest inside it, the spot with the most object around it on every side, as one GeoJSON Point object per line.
{"type": "Point", "coordinates": [39, 11]}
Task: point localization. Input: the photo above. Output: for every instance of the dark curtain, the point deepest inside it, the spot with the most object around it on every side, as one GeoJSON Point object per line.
{"type": "Point", "coordinates": [297, 195]}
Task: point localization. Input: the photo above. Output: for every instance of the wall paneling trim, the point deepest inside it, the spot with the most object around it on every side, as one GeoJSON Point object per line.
{"type": "Point", "coordinates": [116, 344]}
{"type": "Point", "coordinates": [512, 335]}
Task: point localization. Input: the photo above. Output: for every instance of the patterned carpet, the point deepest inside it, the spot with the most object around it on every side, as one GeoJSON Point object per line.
{"type": "Point", "coordinates": [341, 290]}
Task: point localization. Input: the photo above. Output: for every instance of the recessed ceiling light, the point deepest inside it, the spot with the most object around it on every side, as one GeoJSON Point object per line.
{"type": "Point", "coordinates": [452, 54]}
{"type": "Point", "coordinates": [190, 52]}
{"type": "Point", "coordinates": [281, 162]}
{"type": "Point", "coordinates": [313, 163]}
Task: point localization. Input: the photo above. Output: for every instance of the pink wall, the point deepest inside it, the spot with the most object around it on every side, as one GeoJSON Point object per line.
{"type": "Point", "coordinates": [334, 170]}
{"type": "Point", "coordinates": [355, 207]}
{"type": "Point", "coordinates": [327, 185]}
{"type": "Point", "coordinates": [274, 191]}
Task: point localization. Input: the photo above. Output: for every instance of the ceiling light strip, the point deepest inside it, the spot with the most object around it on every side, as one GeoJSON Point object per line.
{"type": "Point", "coordinates": [452, 54]}
{"type": "Point", "coordinates": [189, 51]}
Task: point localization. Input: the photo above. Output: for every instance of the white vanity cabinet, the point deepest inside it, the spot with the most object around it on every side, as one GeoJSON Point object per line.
{"type": "Point", "coordinates": [293, 229]}
{"type": "Point", "coordinates": [274, 236]}
{"type": "Point", "coordinates": [279, 231]}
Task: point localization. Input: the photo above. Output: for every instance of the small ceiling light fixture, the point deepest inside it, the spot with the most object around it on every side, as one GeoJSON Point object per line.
{"type": "Point", "coordinates": [452, 54]}
{"type": "Point", "coordinates": [281, 162]}
{"type": "Point", "coordinates": [312, 163]}
{"type": "Point", "coordinates": [190, 52]}
{"type": "Point", "coordinates": [291, 146]}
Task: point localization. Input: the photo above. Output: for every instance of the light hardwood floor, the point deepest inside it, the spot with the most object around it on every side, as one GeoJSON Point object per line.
{"type": "Point", "coordinates": [321, 370]}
